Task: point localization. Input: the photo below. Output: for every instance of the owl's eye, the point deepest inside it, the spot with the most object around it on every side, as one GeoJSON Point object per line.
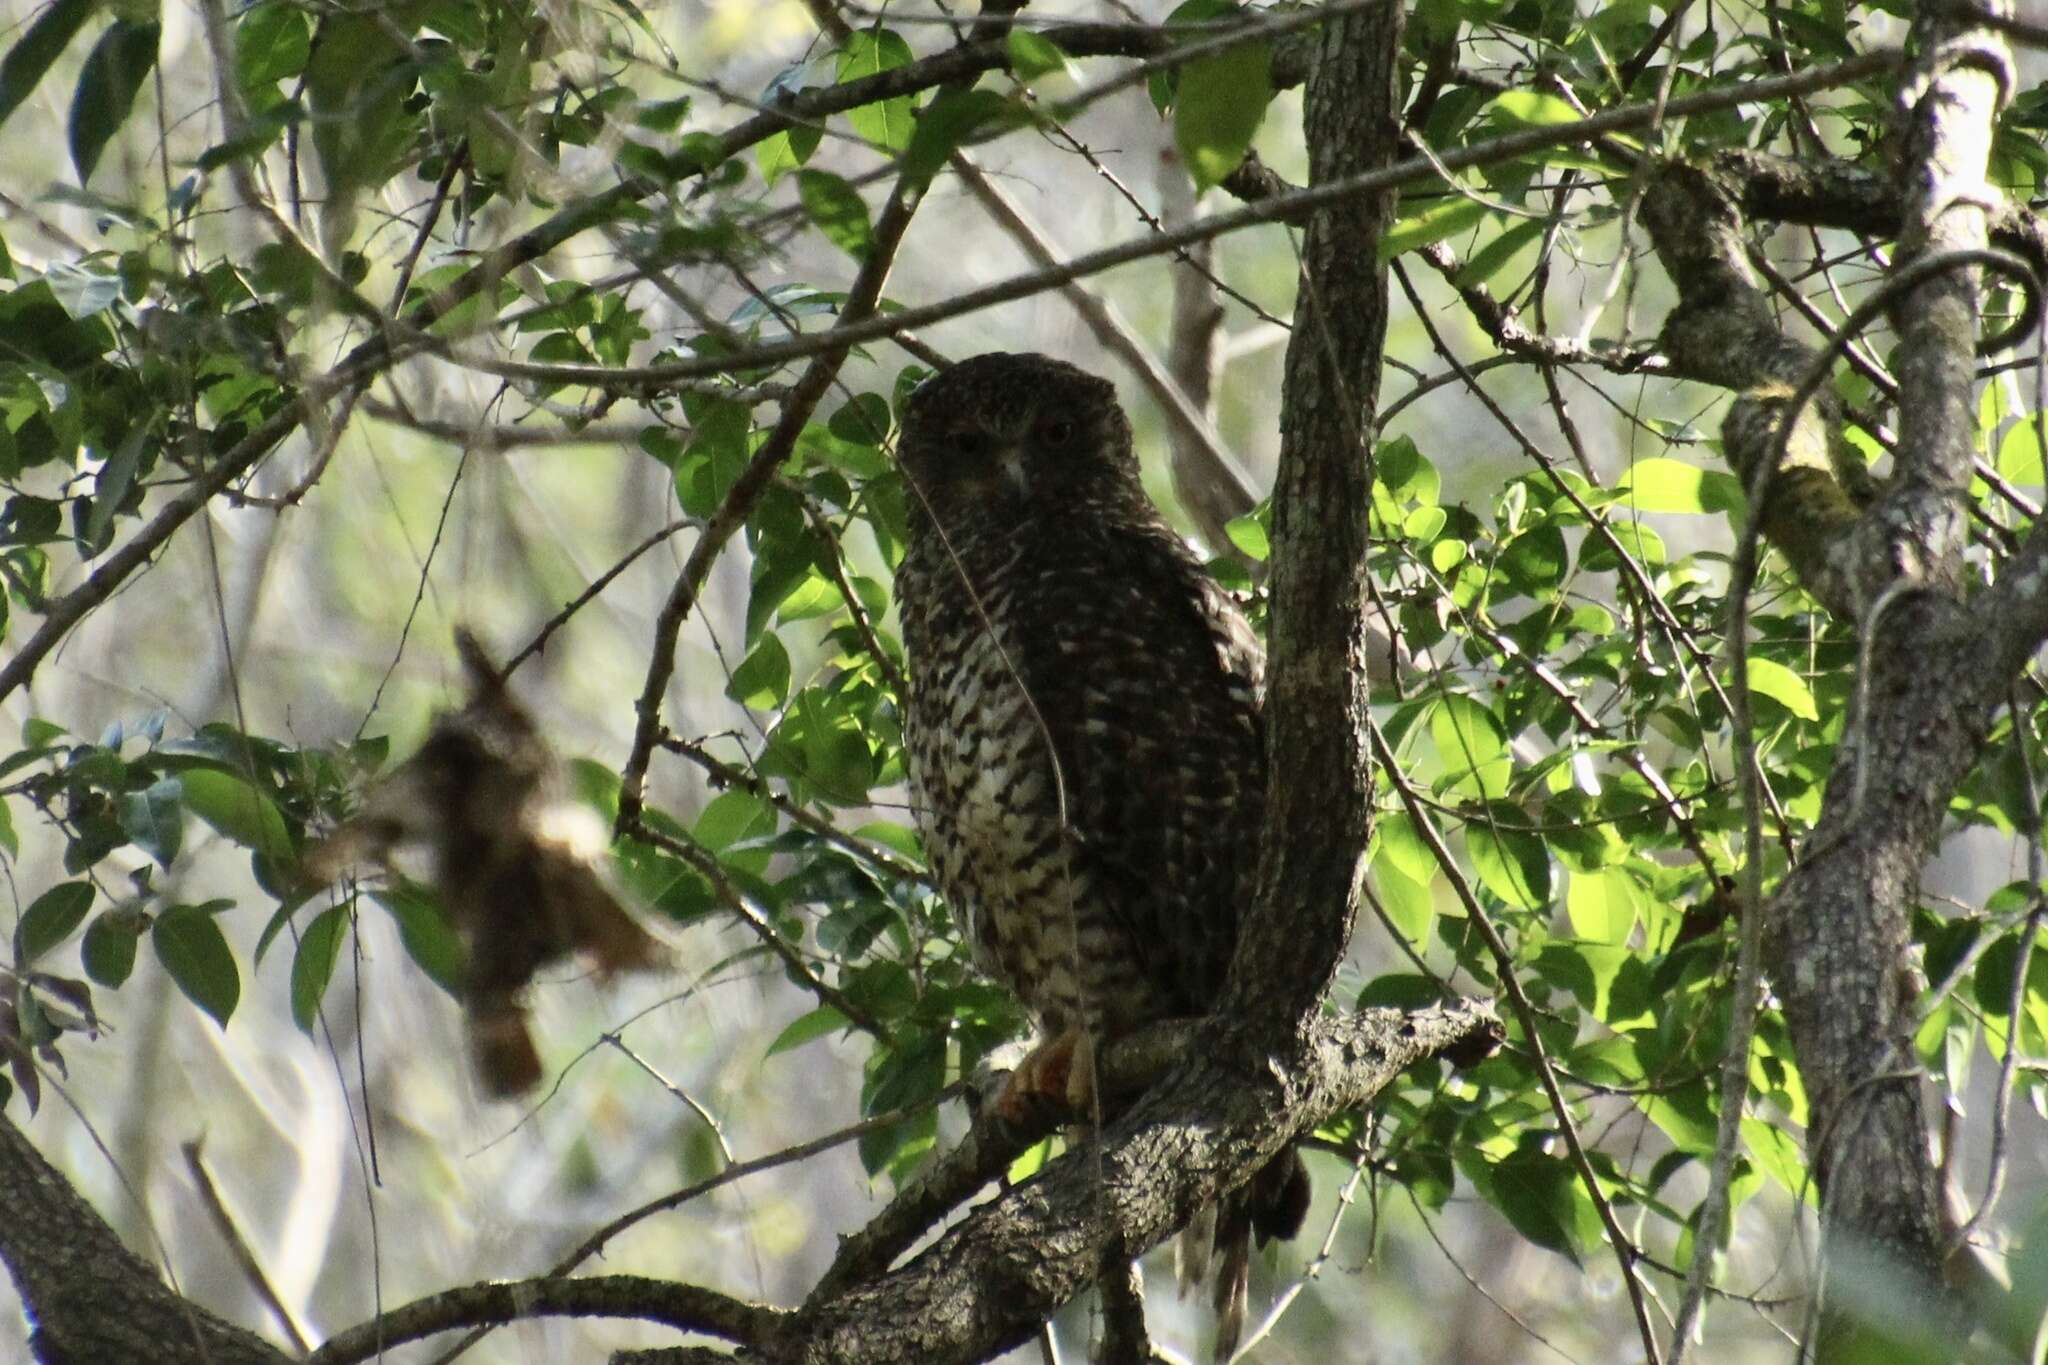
{"type": "Point", "coordinates": [969, 444]}
{"type": "Point", "coordinates": [1055, 432]}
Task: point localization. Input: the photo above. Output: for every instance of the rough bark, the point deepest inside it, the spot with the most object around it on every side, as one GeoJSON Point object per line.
{"type": "Point", "coordinates": [1838, 930]}
{"type": "Point", "coordinates": [985, 1285]}
{"type": "Point", "coordinates": [92, 1300]}
{"type": "Point", "coordinates": [1319, 811]}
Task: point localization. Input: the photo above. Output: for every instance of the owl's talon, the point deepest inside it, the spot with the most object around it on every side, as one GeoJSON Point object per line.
{"type": "Point", "coordinates": [1055, 1079]}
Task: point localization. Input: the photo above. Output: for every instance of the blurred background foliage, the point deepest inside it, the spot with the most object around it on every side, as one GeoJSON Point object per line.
{"type": "Point", "coordinates": [294, 304]}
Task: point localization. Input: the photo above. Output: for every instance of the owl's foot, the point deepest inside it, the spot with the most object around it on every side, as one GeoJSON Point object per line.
{"type": "Point", "coordinates": [1057, 1076]}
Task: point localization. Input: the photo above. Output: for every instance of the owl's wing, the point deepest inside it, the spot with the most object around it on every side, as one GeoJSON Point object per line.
{"type": "Point", "coordinates": [1149, 685]}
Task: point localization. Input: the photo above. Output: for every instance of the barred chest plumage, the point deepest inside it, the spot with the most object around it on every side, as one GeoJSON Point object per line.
{"type": "Point", "coordinates": [1081, 763]}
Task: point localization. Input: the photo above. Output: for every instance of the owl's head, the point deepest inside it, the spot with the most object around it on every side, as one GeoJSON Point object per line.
{"type": "Point", "coordinates": [1004, 434]}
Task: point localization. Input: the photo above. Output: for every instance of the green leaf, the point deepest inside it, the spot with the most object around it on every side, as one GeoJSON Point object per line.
{"type": "Point", "coordinates": [1534, 108]}
{"type": "Point", "coordinates": [114, 70]}
{"type": "Point", "coordinates": [237, 810]}
{"type": "Point", "coordinates": [1221, 103]}
{"type": "Point", "coordinates": [1410, 907]}
{"type": "Point", "coordinates": [1779, 1157]}
{"type": "Point", "coordinates": [193, 950]}
{"type": "Point", "coordinates": [1033, 55]}
{"type": "Point", "coordinates": [807, 1028]}
{"type": "Point", "coordinates": [155, 820]}
{"type": "Point", "coordinates": [1488, 261]}
{"type": "Point", "coordinates": [732, 817]}
{"type": "Point", "coordinates": [1603, 905]}
{"type": "Point", "coordinates": [110, 488]}
{"type": "Point", "coordinates": [2019, 453]}
{"type": "Point", "coordinates": [780, 153]}
{"type": "Point", "coordinates": [1660, 484]}
{"type": "Point", "coordinates": [108, 949]}
{"type": "Point", "coordinates": [1471, 744]}
{"type": "Point", "coordinates": [313, 965]}
{"type": "Point", "coordinates": [869, 53]}
{"type": "Point", "coordinates": [1404, 848]}
{"type": "Point", "coordinates": [1512, 865]}
{"type": "Point", "coordinates": [1771, 679]}
{"type": "Point", "coordinates": [10, 842]}
{"type": "Point", "coordinates": [424, 930]}
{"type": "Point", "coordinates": [953, 119]}
{"type": "Point", "coordinates": [1542, 1197]}
{"type": "Point", "coordinates": [1248, 534]}
{"type": "Point", "coordinates": [40, 45]}
{"type": "Point", "coordinates": [836, 207]}
{"type": "Point", "coordinates": [1441, 219]}
{"type": "Point", "coordinates": [49, 920]}
{"type": "Point", "coordinates": [761, 682]}
{"type": "Point", "coordinates": [272, 43]}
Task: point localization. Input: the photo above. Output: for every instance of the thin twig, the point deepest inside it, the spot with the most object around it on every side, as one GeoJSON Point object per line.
{"type": "Point", "coordinates": [238, 1247]}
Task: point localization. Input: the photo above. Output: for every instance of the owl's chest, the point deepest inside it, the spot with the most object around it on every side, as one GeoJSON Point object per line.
{"type": "Point", "coordinates": [989, 807]}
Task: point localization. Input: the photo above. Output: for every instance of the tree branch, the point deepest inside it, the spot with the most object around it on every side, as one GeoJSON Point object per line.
{"type": "Point", "coordinates": [684, 1307]}
{"type": "Point", "coordinates": [92, 1300]}
{"type": "Point", "coordinates": [986, 1284]}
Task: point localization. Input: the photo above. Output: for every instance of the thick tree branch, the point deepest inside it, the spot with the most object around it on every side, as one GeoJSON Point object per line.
{"type": "Point", "coordinates": [1838, 932]}
{"type": "Point", "coordinates": [92, 1300]}
{"type": "Point", "coordinates": [986, 1284]}
{"type": "Point", "coordinates": [1320, 783]}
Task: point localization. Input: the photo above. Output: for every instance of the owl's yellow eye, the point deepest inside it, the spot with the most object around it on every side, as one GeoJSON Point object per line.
{"type": "Point", "coordinates": [1055, 431]}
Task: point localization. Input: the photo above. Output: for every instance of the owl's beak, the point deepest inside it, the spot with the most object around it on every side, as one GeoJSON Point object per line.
{"type": "Point", "coordinates": [1011, 461]}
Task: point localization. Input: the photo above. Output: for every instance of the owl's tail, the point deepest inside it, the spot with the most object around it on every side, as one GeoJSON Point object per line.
{"type": "Point", "coordinates": [1271, 1204]}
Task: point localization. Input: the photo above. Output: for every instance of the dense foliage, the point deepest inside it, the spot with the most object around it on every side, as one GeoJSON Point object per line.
{"type": "Point", "coordinates": [496, 227]}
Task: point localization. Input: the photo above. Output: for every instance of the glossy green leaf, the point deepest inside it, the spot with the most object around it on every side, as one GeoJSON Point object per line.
{"type": "Point", "coordinates": [761, 682]}
{"type": "Point", "coordinates": [1659, 484]}
{"type": "Point", "coordinates": [1512, 865]}
{"type": "Point", "coordinates": [108, 949]}
{"type": "Point", "coordinates": [1603, 905]}
{"type": "Point", "coordinates": [1535, 108]}
{"type": "Point", "coordinates": [1471, 745]}
{"type": "Point", "coordinates": [428, 937]}
{"type": "Point", "coordinates": [155, 819]}
{"type": "Point", "coordinates": [955, 119]}
{"type": "Point", "coordinates": [1248, 534]}
{"type": "Point", "coordinates": [1432, 222]}
{"type": "Point", "coordinates": [819, 1023]}
{"type": "Point", "coordinates": [782, 152]}
{"type": "Point", "coordinates": [39, 45]}
{"type": "Point", "coordinates": [1033, 55]}
{"type": "Point", "coordinates": [195, 953]}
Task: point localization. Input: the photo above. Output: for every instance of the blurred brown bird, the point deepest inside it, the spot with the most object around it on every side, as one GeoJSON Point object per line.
{"type": "Point", "coordinates": [517, 866]}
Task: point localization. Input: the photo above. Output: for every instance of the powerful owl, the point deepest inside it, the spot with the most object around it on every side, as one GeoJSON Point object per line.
{"type": "Point", "coordinates": [1085, 748]}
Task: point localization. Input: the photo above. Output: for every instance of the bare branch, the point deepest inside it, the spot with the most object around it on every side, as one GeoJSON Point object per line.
{"type": "Point", "coordinates": [638, 1297]}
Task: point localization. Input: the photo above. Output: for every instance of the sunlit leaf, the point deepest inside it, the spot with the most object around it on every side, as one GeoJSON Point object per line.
{"type": "Point", "coordinates": [1220, 104]}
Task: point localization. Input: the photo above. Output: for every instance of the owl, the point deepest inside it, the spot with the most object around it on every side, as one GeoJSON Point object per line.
{"type": "Point", "coordinates": [1083, 739]}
